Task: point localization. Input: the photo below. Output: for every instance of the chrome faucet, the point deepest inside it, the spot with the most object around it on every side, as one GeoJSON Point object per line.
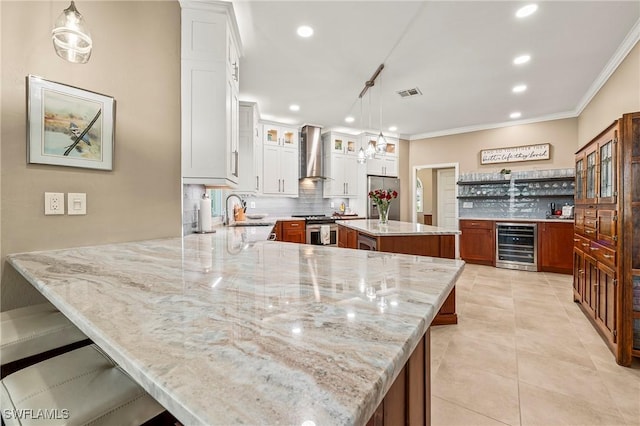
{"type": "Point", "coordinates": [226, 208]}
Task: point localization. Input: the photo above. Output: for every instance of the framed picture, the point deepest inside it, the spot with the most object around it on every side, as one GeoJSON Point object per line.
{"type": "Point", "coordinates": [67, 126]}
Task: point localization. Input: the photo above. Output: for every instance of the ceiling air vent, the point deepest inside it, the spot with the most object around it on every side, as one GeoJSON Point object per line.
{"type": "Point", "coordinates": [409, 92]}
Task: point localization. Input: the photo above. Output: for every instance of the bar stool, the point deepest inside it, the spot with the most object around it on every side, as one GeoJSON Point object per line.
{"type": "Point", "coordinates": [80, 387]}
{"type": "Point", "coordinates": [34, 333]}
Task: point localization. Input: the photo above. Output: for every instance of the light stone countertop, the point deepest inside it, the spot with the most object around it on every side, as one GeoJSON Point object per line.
{"type": "Point", "coordinates": [516, 219]}
{"type": "Point", "coordinates": [227, 328]}
{"type": "Point", "coordinates": [395, 228]}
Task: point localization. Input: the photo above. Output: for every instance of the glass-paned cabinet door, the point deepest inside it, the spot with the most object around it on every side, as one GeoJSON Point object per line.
{"type": "Point", "coordinates": [290, 137]}
{"type": "Point", "coordinates": [337, 144]}
{"type": "Point", "coordinates": [579, 179]}
{"type": "Point", "coordinates": [271, 135]}
{"type": "Point", "coordinates": [607, 172]}
{"type": "Point", "coordinates": [590, 176]}
{"type": "Point", "coordinates": [351, 147]}
{"type": "Point", "coordinates": [392, 147]}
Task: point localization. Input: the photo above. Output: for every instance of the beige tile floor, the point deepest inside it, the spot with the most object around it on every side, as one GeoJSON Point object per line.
{"type": "Point", "coordinates": [524, 354]}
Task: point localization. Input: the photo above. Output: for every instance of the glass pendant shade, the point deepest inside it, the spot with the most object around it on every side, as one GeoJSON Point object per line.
{"type": "Point", "coordinates": [362, 157]}
{"type": "Point", "coordinates": [381, 144]}
{"type": "Point", "coordinates": [71, 37]}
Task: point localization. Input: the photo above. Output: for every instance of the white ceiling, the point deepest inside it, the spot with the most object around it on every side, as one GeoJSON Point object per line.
{"type": "Point", "coordinates": [459, 54]}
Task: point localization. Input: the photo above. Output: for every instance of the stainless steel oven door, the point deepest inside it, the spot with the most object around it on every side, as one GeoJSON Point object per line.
{"type": "Point", "coordinates": [314, 234]}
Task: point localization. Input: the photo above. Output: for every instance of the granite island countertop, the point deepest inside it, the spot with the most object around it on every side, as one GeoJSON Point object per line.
{"type": "Point", "coordinates": [227, 328]}
{"type": "Point", "coordinates": [395, 228]}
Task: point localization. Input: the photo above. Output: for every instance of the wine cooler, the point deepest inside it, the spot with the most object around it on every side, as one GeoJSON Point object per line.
{"type": "Point", "coordinates": [516, 246]}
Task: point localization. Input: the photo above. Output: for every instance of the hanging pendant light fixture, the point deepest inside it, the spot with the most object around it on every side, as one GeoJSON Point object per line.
{"type": "Point", "coordinates": [362, 156]}
{"type": "Point", "coordinates": [381, 143]}
{"type": "Point", "coordinates": [71, 36]}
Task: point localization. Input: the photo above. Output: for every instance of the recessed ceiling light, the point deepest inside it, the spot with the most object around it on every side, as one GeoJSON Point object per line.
{"type": "Point", "coordinates": [393, 128]}
{"type": "Point", "coordinates": [515, 115]}
{"type": "Point", "coordinates": [349, 119]}
{"type": "Point", "coordinates": [527, 10]}
{"type": "Point", "coordinates": [305, 31]}
{"type": "Point", "coordinates": [522, 59]}
{"type": "Point", "coordinates": [294, 107]}
{"type": "Point", "coordinates": [519, 88]}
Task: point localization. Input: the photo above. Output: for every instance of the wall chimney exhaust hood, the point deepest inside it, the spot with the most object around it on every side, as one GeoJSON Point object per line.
{"type": "Point", "coordinates": [311, 153]}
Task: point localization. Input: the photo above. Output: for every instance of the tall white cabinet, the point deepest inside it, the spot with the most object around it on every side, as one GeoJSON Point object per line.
{"type": "Point", "coordinates": [211, 49]}
{"type": "Point", "coordinates": [340, 165]}
{"type": "Point", "coordinates": [280, 160]}
{"type": "Point", "coordinates": [250, 167]}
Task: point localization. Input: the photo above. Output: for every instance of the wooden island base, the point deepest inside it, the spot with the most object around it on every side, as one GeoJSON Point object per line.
{"type": "Point", "coordinates": [408, 401]}
{"type": "Point", "coordinates": [427, 245]}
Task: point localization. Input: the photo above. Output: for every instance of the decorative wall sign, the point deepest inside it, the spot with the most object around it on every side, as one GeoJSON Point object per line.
{"type": "Point", "coordinates": [67, 126]}
{"type": "Point", "coordinates": [515, 154]}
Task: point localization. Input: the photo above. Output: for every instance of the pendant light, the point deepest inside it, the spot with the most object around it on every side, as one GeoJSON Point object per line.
{"type": "Point", "coordinates": [381, 144]}
{"type": "Point", "coordinates": [71, 37]}
{"type": "Point", "coordinates": [371, 150]}
{"type": "Point", "coordinates": [362, 156]}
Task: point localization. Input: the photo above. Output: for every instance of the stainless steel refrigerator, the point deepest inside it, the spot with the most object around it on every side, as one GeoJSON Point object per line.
{"type": "Point", "coordinates": [383, 182]}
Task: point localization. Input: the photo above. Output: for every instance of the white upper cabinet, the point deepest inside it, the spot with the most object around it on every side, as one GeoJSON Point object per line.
{"type": "Point", "coordinates": [210, 45]}
{"type": "Point", "coordinates": [282, 135]}
{"type": "Point", "coordinates": [340, 166]}
{"type": "Point", "coordinates": [250, 170]}
{"type": "Point", "coordinates": [280, 165]}
{"type": "Point", "coordinates": [342, 144]}
{"type": "Point", "coordinates": [382, 164]}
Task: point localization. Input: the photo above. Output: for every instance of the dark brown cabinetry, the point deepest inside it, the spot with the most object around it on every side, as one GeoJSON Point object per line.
{"type": "Point", "coordinates": [606, 252]}
{"type": "Point", "coordinates": [290, 231]}
{"type": "Point", "coordinates": [293, 231]}
{"type": "Point", "coordinates": [347, 237]}
{"type": "Point", "coordinates": [477, 241]}
{"type": "Point", "coordinates": [554, 239]}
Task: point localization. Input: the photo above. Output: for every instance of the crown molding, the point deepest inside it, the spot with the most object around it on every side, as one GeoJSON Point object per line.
{"type": "Point", "coordinates": [620, 54]}
{"type": "Point", "coordinates": [468, 129]}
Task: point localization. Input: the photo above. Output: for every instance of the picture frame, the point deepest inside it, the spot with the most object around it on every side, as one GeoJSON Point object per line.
{"type": "Point", "coordinates": [513, 154]}
{"type": "Point", "coordinates": [69, 126]}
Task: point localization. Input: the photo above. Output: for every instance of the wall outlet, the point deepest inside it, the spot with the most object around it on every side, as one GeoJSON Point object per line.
{"type": "Point", "coordinates": [76, 203]}
{"type": "Point", "coordinates": [53, 203]}
{"type": "Point", "coordinates": [252, 204]}
{"type": "Point", "coordinates": [467, 205]}
{"type": "Point", "coordinates": [333, 205]}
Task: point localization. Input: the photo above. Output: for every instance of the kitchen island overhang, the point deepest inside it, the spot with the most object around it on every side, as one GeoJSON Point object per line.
{"type": "Point", "coordinates": [226, 328]}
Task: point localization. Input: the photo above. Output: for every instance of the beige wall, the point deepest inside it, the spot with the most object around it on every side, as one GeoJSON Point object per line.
{"type": "Point", "coordinates": [465, 148]}
{"type": "Point", "coordinates": [619, 95]}
{"type": "Point", "coordinates": [136, 60]}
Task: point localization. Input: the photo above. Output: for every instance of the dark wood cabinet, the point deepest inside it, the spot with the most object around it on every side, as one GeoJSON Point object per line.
{"type": "Point", "coordinates": [347, 237]}
{"type": "Point", "coordinates": [607, 234]}
{"type": "Point", "coordinates": [554, 241]}
{"type": "Point", "coordinates": [478, 242]}
{"type": "Point", "coordinates": [294, 231]}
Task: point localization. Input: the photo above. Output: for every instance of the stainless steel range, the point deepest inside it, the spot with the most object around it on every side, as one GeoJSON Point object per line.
{"type": "Point", "coordinates": [321, 229]}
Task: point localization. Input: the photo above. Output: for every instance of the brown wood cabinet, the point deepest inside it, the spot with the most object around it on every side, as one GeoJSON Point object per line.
{"type": "Point", "coordinates": [606, 251]}
{"type": "Point", "coordinates": [347, 237]}
{"type": "Point", "coordinates": [554, 239]}
{"type": "Point", "coordinates": [478, 242]}
{"type": "Point", "coordinates": [294, 231]}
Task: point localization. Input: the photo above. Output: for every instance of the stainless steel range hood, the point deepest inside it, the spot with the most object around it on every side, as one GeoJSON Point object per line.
{"type": "Point", "coordinates": [311, 153]}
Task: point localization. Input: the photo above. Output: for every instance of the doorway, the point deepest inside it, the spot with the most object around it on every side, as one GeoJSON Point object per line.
{"type": "Point", "coordinates": [435, 191]}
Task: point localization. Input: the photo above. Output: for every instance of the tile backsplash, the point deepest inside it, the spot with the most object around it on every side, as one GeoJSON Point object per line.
{"type": "Point", "coordinates": [309, 201]}
{"type": "Point", "coordinates": [526, 195]}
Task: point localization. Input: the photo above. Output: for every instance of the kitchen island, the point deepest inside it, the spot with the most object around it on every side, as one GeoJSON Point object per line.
{"type": "Point", "coordinates": [406, 238]}
{"type": "Point", "coordinates": [227, 328]}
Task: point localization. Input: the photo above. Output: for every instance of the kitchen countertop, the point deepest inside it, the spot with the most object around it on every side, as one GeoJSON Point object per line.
{"type": "Point", "coordinates": [516, 219]}
{"type": "Point", "coordinates": [395, 228]}
{"type": "Point", "coordinates": [228, 328]}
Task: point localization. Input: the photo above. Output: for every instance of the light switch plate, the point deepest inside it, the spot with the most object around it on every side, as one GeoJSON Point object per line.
{"type": "Point", "coordinates": [53, 203]}
{"type": "Point", "coordinates": [76, 203]}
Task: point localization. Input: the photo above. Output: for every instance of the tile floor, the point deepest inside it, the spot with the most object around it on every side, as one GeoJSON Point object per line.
{"type": "Point", "coordinates": [524, 354]}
